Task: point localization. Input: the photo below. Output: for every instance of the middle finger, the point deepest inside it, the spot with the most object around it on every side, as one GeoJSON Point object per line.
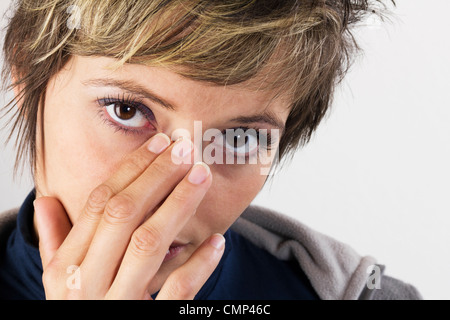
{"type": "Point", "coordinates": [129, 208]}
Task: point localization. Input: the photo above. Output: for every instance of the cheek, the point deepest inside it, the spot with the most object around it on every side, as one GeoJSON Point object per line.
{"type": "Point", "coordinates": [234, 192]}
{"type": "Point", "coordinates": [231, 192]}
{"type": "Point", "coordinates": [78, 155]}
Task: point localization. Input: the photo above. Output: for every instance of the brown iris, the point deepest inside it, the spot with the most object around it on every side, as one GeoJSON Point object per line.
{"type": "Point", "coordinates": [124, 111]}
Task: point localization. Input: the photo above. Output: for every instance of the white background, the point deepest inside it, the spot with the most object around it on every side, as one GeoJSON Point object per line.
{"type": "Point", "coordinates": [376, 174]}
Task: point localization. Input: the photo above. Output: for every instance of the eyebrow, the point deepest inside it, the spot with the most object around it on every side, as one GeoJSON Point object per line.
{"type": "Point", "coordinates": [130, 87]}
{"type": "Point", "coordinates": [261, 118]}
{"type": "Point", "coordinates": [141, 91]}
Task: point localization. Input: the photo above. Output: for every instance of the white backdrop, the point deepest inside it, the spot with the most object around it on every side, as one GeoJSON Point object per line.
{"type": "Point", "coordinates": [376, 174]}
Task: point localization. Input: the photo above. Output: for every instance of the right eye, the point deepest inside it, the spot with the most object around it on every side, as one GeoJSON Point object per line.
{"type": "Point", "coordinates": [126, 115]}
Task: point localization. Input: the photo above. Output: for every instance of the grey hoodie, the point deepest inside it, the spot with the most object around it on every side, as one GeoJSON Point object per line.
{"type": "Point", "coordinates": [335, 270]}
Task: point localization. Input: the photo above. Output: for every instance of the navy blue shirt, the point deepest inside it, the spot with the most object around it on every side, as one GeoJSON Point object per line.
{"type": "Point", "coordinates": [244, 272]}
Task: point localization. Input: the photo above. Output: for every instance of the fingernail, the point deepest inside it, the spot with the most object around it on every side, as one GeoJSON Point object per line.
{"type": "Point", "coordinates": [217, 241]}
{"type": "Point", "coordinates": [158, 143]}
{"type": "Point", "coordinates": [199, 173]}
{"type": "Point", "coordinates": [182, 148]}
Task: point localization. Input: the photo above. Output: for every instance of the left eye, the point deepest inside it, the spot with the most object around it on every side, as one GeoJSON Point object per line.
{"type": "Point", "coordinates": [241, 143]}
{"type": "Point", "coordinates": [126, 114]}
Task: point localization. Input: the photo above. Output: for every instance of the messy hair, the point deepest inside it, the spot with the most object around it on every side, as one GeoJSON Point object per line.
{"type": "Point", "coordinates": [302, 48]}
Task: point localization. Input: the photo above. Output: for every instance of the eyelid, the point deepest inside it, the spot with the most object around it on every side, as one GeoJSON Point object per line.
{"type": "Point", "coordinates": [269, 135]}
{"type": "Point", "coordinates": [267, 146]}
{"type": "Point", "coordinates": [122, 98]}
{"type": "Point", "coordinates": [136, 102]}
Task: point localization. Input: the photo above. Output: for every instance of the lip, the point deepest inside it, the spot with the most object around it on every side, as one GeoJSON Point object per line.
{"type": "Point", "coordinates": [174, 250]}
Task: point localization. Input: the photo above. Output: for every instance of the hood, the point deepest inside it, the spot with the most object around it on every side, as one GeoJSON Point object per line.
{"type": "Point", "coordinates": [335, 270]}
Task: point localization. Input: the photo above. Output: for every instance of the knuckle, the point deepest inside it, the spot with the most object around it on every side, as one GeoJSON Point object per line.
{"type": "Point", "coordinates": [136, 162]}
{"type": "Point", "coordinates": [183, 200]}
{"type": "Point", "coordinates": [119, 209]}
{"type": "Point", "coordinates": [98, 198]}
{"type": "Point", "coordinates": [181, 286]}
{"type": "Point", "coordinates": [60, 279]}
{"type": "Point", "coordinates": [161, 169]}
{"type": "Point", "coordinates": [180, 196]}
{"type": "Point", "coordinates": [146, 241]}
{"type": "Point", "coordinates": [164, 166]}
{"type": "Point", "coordinates": [185, 197]}
{"type": "Point", "coordinates": [51, 273]}
{"type": "Point", "coordinates": [48, 276]}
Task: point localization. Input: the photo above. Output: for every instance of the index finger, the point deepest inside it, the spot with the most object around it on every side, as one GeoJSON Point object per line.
{"type": "Point", "coordinates": [78, 240]}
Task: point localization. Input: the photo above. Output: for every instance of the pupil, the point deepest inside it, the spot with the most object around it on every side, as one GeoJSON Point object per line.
{"type": "Point", "coordinates": [240, 140]}
{"type": "Point", "coordinates": [125, 112]}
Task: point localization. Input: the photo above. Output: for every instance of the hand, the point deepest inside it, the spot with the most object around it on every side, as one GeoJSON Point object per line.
{"type": "Point", "coordinates": [128, 223]}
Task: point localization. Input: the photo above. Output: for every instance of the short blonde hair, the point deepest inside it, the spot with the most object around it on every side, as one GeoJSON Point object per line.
{"type": "Point", "coordinates": [302, 48]}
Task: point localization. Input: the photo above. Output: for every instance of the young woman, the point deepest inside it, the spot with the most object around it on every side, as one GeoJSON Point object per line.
{"type": "Point", "coordinates": [150, 126]}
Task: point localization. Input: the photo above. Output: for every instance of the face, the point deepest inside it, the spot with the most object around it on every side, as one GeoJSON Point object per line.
{"type": "Point", "coordinates": [94, 116]}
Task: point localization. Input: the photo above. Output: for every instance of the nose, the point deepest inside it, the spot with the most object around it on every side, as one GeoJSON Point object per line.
{"type": "Point", "coordinates": [188, 129]}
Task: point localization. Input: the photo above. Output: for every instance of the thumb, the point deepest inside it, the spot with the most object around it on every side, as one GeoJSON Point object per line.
{"type": "Point", "coordinates": [53, 226]}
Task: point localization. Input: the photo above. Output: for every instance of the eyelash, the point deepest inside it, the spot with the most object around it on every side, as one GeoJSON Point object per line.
{"type": "Point", "coordinates": [148, 114]}
{"type": "Point", "coordinates": [269, 135]}
{"type": "Point", "coordinates": [125, 100]}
